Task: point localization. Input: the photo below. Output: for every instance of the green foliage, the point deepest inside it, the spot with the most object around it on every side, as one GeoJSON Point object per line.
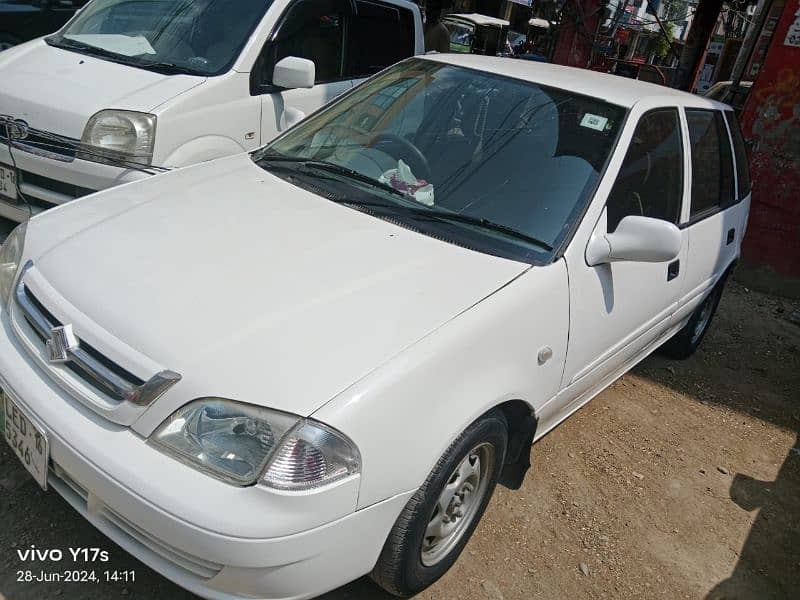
{"type": "Point", "coordinates": [662, 44]}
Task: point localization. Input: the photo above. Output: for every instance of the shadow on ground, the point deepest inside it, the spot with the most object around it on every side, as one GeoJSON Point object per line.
{"type": "Point", "coordinates": [753, 367]}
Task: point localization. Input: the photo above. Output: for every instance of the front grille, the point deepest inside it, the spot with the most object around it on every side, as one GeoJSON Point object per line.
{"type": "Point", "coordinates": [44, 141]}
{"type": "Point", "coordinates": [52, 185]}
{"type": "Point", "coordinates": [84, 361]}
{"type": "Point", "coordinates": [86, 372]}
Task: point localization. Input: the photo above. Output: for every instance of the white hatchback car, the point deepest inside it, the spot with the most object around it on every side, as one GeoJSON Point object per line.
{"type": "Point", "coordinates": [328, 377]}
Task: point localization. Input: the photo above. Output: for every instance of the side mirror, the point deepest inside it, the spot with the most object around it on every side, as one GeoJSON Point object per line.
{"type": "Point", "coordinates": [293, 72]}
{"type": "Point", "coordinates": [639, 239]}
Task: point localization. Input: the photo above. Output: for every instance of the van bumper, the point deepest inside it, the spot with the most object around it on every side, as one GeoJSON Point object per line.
{"type": "Point", "coordinates": [47, 181]}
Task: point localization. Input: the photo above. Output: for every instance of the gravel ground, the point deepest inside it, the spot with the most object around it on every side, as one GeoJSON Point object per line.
{"type": "Point", "coordinates": [682, 480]}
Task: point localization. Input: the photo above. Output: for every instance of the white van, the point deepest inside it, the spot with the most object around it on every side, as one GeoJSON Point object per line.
{"type": "Point", "coordinates": [129, 88]}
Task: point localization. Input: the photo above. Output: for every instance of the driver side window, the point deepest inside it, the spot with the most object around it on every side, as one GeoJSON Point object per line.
{"type": "Point", "coordinates": [319, 39]}
{"type": "Point", "coordinates": [650, 181]}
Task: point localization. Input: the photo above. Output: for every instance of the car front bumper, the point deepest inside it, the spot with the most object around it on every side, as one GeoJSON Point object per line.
{"type": "Point", "coordinates": [49, 181]}
{"type": "Point", "coordinates": [187, 526]}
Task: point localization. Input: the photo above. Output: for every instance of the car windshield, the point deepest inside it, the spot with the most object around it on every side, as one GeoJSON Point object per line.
{"type": "Point", "coordinates": [496, 164]}
{"type": "Point", "coordinates": [461, 35]}
{"type": "Point", "coordinates": [202, 37]}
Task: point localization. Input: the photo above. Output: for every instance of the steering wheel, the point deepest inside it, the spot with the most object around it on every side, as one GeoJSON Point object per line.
{"type": "Point", "coordinates": [407, 151]}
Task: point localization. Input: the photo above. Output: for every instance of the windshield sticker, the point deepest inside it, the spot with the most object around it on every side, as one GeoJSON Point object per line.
{"type": "Point", "coordinates": [595, 122]}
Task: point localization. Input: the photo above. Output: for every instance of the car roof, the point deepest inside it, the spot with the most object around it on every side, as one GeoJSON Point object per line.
{"type": "Point", "coordinates": [479, 19]}
{"type": "Point", "coordinates": [615, 89]}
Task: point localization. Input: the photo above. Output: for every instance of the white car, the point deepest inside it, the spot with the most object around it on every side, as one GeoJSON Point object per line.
{"type": "Point", "coordinates": [328, 377]}
{"type": "Point", "coordinates": [128, 88]}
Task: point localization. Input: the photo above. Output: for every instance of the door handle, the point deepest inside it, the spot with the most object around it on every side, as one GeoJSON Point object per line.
{"type": "Point", "coordinates": [731, 236]}
{"type": "Point", "coordinates": [673, 269]}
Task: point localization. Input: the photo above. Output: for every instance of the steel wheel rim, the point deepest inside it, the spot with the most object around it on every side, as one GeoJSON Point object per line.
{"type": "Point", "coordinates": [705, 318]}
{"type": "Point", "coordinates": [457, 504]}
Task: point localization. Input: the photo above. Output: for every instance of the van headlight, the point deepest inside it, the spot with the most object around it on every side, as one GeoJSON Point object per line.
{"type": "Point", "coordinates": [242, 444]}
{"type": "Point", "coordinates": [10, 255]}
{"type": "Point", "coordinates": [124, 135]}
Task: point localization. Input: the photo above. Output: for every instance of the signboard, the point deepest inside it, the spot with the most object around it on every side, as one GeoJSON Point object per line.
{"type": "Point", "coordinates": [793, 35]}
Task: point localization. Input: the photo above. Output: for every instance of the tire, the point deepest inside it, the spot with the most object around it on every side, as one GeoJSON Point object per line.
{"type": "Point", "coordinates": [7, 41]}
{"type": "Point", "coordinates": [411, 561]}
{"type": "Point", "coordinates": [686, 341]}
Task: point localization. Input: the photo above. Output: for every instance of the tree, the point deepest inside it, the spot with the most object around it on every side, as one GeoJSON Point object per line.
{"type": "Point", "coordinates": [662, 43]}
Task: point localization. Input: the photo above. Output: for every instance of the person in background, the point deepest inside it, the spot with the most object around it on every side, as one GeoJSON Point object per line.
{"type": "Point", "coordinates": [437, 37]}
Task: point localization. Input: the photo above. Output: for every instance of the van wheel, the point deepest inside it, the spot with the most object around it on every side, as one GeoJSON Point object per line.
{"type": "Point", "coordinates": [438, 521]}
{"type": "Point", "coordinates": [7, 41]}
{"type": "Point", "coordinates": [684, 343]}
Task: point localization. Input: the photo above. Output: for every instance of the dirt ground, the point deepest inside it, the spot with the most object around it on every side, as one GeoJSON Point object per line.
{"type": "Point", "coordinates": [680, 481]}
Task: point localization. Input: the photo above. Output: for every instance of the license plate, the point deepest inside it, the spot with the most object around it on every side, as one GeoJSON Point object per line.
{"type": "Point", "coordinates": [27, 439]}
{"type": "Point", "coordinates": [8, 183]}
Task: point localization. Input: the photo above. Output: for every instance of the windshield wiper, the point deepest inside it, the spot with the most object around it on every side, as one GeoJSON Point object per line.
{"type": "Point", "coordinates": [69, 44]}
{"type": "Point", "coordinates": [420, 212]}
{"type": "Point", "coordinates": [331, 168]}
{"type": "Point", "coordinates": [167, 68]}
{"type": "Point", "coordinates": [442, 215]}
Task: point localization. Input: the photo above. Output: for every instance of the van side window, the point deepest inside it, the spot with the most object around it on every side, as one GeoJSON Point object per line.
{"type": "Point", "coordinates": [740, 153]}
{"type": "Point", "coordinates": [650, 181]}
{"type": "Point", "coordinates": [377, 36]}
{"type": "Point", "coordinates": [317, 38]}
{"type": "Point", "coordinates": [712, 163]}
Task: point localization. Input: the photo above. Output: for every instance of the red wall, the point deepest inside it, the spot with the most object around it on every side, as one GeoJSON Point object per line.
{"type": "Point", "coordinates": [576, 32]}
{"type": "Point", "coordinates": [771, 119]}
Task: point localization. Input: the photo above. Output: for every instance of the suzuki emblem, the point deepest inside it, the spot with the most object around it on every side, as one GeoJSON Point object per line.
{"type": "Point", "coordinates": [18, 130]}
{"type": "Point", "coordinates": [62, 341]}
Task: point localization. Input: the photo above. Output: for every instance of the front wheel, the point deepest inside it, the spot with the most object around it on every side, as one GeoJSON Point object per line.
{"type": "Point", "coordinates": [438, 521]}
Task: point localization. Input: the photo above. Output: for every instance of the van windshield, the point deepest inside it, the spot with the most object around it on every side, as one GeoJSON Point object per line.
{"type": "Point", "coordinates": [200, 37]}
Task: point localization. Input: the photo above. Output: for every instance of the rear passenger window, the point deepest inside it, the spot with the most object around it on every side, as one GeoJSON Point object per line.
{"type": "Point", "coordinates": [740, 153]}
{"type": "Point", "coordinates": [712, 164]}
{"type": "Point", "coordinates": [378, 36]}
{"type": "Point", "coordinates": [650, 181]}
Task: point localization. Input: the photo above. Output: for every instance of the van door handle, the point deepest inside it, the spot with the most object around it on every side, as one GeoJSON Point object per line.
{"type": "Point", "coordinates": [673, 269]}
{"type": "Point", "coordinates": [731, 236]}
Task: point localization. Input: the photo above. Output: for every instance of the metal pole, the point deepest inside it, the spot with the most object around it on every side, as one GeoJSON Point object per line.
{"type": "Point", "coordinates": [746, 51]}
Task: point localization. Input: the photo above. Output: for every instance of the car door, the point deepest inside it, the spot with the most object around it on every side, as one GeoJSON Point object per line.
{"type": "Point", "coordinates": [310, 30]}
{"type": "Point", "coordinates": [714, 221]}
{"type": "Point", "coordinates": [618, 310]}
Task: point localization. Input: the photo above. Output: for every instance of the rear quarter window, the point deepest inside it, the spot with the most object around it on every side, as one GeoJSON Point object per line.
{"type": "Point", "coordinates": [740, 154]}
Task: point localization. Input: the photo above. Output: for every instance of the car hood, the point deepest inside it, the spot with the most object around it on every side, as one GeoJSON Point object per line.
{"type": "Point", "coordinates": [252, 288]}
{"type": "Point", "coordinates": [58, 90]}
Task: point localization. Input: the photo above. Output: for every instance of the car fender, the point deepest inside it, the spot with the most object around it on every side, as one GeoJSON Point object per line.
{"type": "Point", "coordinates": [405, 414]}
{"type": "Point", "coordinates": [201, 149]}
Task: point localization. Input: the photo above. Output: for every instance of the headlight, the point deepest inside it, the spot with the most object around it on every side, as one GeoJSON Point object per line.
{"type": "Point", "coordinates": [10, 254]}
{"type": "Point", "coordinates": [240, 444]}
{"type": "Point", "coordinates": [120, 134]}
